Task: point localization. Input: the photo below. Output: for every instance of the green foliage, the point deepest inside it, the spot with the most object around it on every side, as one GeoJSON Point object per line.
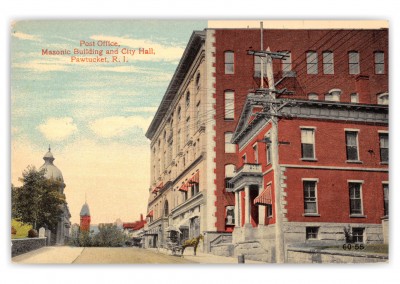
{"type": "Point", "coordinates": [109, 236]}
{"type": "Point", "coordinates": [38, 201]}
{"type": "Point", "coordinates": [22, 229]}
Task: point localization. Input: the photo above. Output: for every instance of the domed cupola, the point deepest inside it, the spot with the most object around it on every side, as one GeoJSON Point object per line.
{"type": "Point", "coordinates": [51, 170]}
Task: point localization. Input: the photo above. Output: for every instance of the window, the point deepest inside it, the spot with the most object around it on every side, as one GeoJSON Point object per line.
{"type": "Point", "coordinates": [312, 62]}
{"type": "Point", "coordinates": [229, 147]}
{"type": "Point", "coordinates": [166, 208]}
{"type": "Point", "coordinates": [229, 105]}
{"type": "Point", "coordinates": [355, 198]}
{"type": "Point", "coordinates": [327, 62]}
{"type": "Point", "coordinates": [379, 62]}
{"type": "Point", "coordinates": [269, 210]}
{"type": "Point", "coordinates": [386, 199]}
{"type": "Point", "coordinates": [383, 99]}
{"type": "Point", "coordinates": [310, 197]}
{"type": "Point", "coordinates": [179, 113]}
{"type": "Point", "coordinates": [354, 98]}
{"type": "Point", "coordinates": [307, 143]}
{"type": "Point", "coordinates": [184, 195]}
{"type": "Point", "coordinates": [194, 188]}
{"type": "Point", "coordinates": [312, 233]}
{"type": "Point", "coordinates": [255, 153]}
{"type": "Point", "coordinates": [178, 141]}
{"type": "Point", "coordinates": [187, 129]}
{"type": "Point", "coordinates": [244, 159]}
{"type": "Point", "coordinates": [198, 115]}
{"type": "Point", "coordinates": [313, 97]}
{"type": "Point", "coordinates": [198, 80]}
{"type": "Point", "coordinates": [333, 95]}
{"type": "Point", "coordinates": [384, 147]}
{"type": "Point", "coordinates": [354, 62]}
{"type": "Point", "coordinates": [267, 140]}
{"type": "Point", "coordinates": [187, 99]}
{"type": "Point", "coordinates": [229, 173]}
{"type": "Point", "coordinates": [358, 235]}
{"type": "Point", "coordinates": [287, 62]}
{"type": "Point", "coordinates": [229, 62]}
{"type": "Point", "coordinates": [230, 215]}
{"type": "Point", "coordinates": [352, 145]}
{"type": "Point", "coordinates": [257, 66]}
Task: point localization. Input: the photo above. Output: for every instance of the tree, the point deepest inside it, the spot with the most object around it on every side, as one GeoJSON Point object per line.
{"type": "Point", "coordinates": [109, 236]}
{"type": "Point", "coordinates": [38, 201]}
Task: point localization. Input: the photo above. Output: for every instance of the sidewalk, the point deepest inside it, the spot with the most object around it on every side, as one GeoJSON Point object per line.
{"type": "Point", "coordinates": [206, 258]}
{"type": "Point", "coordinates": [49, 255]}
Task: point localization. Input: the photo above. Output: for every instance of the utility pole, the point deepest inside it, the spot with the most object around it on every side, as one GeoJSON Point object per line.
{"type": "Point", "coordinates": [272, 106]}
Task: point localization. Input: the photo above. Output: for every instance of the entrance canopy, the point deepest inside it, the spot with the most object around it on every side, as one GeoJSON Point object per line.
{"type": "Point", "coordinates": [265, 197]}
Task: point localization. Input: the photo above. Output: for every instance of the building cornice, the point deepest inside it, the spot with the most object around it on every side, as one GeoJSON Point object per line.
{"type": "Point", "coordinates": [193, 47]}
{"type": "Point", "coordinates": [306, 109]}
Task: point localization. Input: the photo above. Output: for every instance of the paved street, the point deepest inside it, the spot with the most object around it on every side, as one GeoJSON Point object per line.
{"type": "Point", "coordinates": [73, 255]}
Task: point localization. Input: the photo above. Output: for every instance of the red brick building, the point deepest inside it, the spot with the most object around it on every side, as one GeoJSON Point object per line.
{"type": "Point", "coordinates": [85, 218]}
{"type": "Point", "coordinates": [347, 67]}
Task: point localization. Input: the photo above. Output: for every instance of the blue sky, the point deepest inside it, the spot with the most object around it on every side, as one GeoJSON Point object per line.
{"type": "Point", "coordinates": [94, 115]}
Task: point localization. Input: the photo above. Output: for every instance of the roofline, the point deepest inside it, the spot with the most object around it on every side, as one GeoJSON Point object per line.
{"type": "Point", "coordinates": [240, 129]}
{"type": "Point", "coordinates": [193, 45]}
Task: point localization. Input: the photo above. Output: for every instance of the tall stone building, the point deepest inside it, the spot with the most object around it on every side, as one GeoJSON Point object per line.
{"type": "Point", "coordinates": [64, 224]}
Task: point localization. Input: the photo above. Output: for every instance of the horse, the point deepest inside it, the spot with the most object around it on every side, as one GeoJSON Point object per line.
{"type": "Point", "coordinates": [192, 243]}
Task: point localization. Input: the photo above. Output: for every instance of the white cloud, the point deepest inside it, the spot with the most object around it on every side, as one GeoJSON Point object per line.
{"type": "Point", "coordinates": [58, 129]}
{"type": "Point", "coordinates": [24, 36]}
{"type": "Point", "coordinates": [118, 125]}
{"type": "Point", "coordinates": [162, 52]}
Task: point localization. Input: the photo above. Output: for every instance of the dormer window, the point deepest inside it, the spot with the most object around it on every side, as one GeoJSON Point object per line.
{"type": "Point", "coordinates": [383, 99]}
{"type": "Point", "coordinates": [333, 95]}
{"type": "Point", "coordinates": [313, 97]}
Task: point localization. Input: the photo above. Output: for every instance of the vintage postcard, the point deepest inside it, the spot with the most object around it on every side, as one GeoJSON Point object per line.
{"type": "Point", "coordinates": [184, 142]}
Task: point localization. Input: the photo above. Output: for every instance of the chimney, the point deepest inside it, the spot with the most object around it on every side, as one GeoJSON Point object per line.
{"type": "Point", "coordinates": [141, 217]}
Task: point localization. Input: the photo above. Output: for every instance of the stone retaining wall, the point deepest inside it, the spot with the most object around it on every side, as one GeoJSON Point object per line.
{"type": "Point", "coordinates": [310, 255]}
{"type": "Point", "coordinates": [20, 246]}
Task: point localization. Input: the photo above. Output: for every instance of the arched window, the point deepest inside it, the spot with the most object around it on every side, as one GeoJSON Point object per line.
{"type": "Point", "coordinates": [333, 95]}
{"type": "Point", "coordinates": [187, 99]}
{"type": "Point", "coordinates": [229, 62]}
{"type": "Point", "coordinates": [313, 97]}
{"type": "Point", "coordinates": [198, 80]}
{"type": "Point", "coordinates": [179, 113]}
{"type": "Point", "coordinates": [383, 99]}
{"type": "Point", "coordinates": [354, 98]}
{"type": "Point", "coordinates": [230, 215]}
{"type": "Point", "coordinates": [229, 173]}
{"type": "Point", "coordinates": [166, 208]}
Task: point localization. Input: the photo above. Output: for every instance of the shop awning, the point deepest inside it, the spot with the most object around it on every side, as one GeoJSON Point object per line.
{"type": "Point", "coordinates": [265, 197]}
{"type": "Point", "coordinates": [195, 178]}
{"type": "Point", "coordinates": [184, 187]}
{"type": "Point", "coordinates": [150, 214]}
